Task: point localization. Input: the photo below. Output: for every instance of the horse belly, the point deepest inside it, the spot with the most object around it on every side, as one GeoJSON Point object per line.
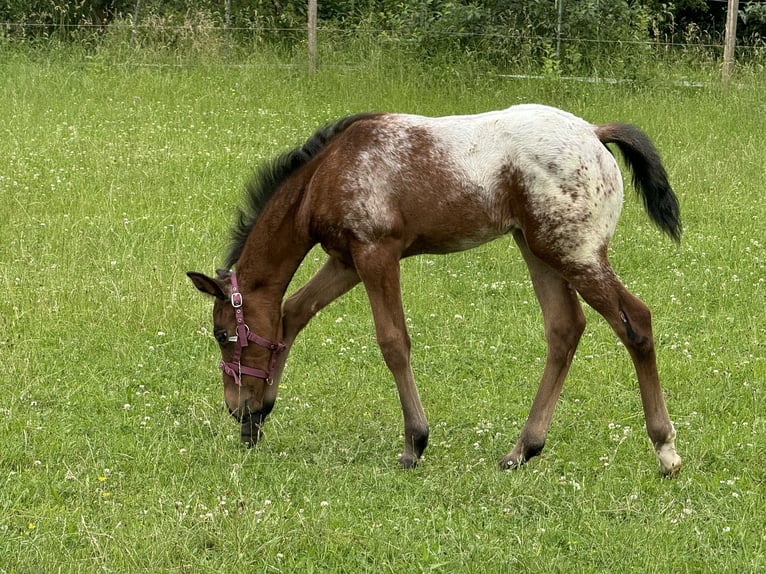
{"type": "Point", "coordinates": [442, 245]}
{"type": "Point", "coordinates": [430, 208]}
{"type": "Point", "coordinates": [438, 232]}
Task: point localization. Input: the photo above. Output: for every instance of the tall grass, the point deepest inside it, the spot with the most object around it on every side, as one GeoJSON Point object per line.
{"type": "Point", "coordinates": [117, 453]}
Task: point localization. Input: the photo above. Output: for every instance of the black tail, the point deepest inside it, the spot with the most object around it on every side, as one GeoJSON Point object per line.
{"type": "Point", "coordinates": [649, 176]}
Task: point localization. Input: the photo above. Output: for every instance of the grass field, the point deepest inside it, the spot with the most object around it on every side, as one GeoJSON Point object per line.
{"type": "Point", "coordinates": [117, 454]}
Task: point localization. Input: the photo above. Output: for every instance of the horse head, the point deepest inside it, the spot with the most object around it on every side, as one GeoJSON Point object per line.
{"type": "Point", "coordinates": [249, 390]}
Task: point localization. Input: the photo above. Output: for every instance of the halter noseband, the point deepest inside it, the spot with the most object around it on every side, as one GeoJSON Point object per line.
{"type": "Point", "coordinates": [235, 368]}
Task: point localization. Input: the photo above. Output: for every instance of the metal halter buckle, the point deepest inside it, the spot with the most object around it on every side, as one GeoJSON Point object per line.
{"type": "Point", "coordinates": [235, 369]}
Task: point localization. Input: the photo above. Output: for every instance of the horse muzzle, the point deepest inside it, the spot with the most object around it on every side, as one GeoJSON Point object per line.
{"type": "Point", "coordinates": [251, 423]}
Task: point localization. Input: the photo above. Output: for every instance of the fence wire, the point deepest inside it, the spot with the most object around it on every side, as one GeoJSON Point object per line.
{"type": "Point", "coordinates": [373, 34]}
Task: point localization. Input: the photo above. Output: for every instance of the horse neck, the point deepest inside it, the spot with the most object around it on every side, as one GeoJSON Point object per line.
{"type": "Point", "coordinates": [274, 250]}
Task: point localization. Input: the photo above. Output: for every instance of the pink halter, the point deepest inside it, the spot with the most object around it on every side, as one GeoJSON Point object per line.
{"type": "Point", "coordinates": [235, 368]}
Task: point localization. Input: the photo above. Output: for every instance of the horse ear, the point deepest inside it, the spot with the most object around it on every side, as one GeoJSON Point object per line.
{"type": "Point", "coordinates": [207, 285]}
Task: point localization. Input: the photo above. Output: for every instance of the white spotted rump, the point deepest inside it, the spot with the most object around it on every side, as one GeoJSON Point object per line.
{"type": "Point", "coordinates": [569, 180]}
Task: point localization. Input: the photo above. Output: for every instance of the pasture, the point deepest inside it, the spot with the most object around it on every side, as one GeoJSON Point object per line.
{"type": "Point", "coordinates": [118, 455]}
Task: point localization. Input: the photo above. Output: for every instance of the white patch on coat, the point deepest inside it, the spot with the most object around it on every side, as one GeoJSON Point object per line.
{"type": "Point", "coordinates": [369, 206]}
{"type": "Point", "coordinates": [572, 182]}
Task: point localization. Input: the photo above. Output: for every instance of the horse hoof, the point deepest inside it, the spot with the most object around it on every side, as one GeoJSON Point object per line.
{"type": "Point", "coordinates": [670, 462]}
{"type": "Point", "coordinates": [408, 461]}
{"type": "Point", "coordinates": [250, 436]}
{"type": "Point", "coordinates": [672, 469]}
{"type": "Point", "coordinates": [510, 463]}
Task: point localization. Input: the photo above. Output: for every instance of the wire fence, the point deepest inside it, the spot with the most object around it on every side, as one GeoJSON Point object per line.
{"type": "Point", "coordinates": [138, 33]}
{"type": "Point", "coordinates": [360, 31]}
{"type": "Point", "coordinates": [370, 32]}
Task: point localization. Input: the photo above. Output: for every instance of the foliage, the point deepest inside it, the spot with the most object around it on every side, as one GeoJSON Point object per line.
{"type": "Point", "coordinates": [672, 20]}
{"type": "Point", "coordinates": [753, 19]}
{"type": "Point", "coordinates": [595, 37]}
{"type": "Point", "coordinates": [44, 16]}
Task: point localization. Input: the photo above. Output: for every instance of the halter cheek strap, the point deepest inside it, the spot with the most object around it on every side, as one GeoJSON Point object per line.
{"type": "Point", "coordinates": [243, 338]}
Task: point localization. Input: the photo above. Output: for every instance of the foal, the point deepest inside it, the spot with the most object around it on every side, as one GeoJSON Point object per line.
{"type": "Point", "coordinates": [374, 188]}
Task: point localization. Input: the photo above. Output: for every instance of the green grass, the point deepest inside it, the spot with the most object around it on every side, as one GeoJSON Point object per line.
{"type": "Point", "coordinates": [117, 454]}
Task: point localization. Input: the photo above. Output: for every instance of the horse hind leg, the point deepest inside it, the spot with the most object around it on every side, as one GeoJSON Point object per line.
{"type": "Point", "coordinates": [564, 324]}
{"type": "Point", "coordinates": [631, 320]}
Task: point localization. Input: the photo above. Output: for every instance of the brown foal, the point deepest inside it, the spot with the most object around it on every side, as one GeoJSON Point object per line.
{"type": "Point", "coordinates": [374, 188]}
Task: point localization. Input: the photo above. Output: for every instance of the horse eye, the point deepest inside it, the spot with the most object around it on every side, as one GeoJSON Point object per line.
{"type": "Point", "coordinates": [220, 336]}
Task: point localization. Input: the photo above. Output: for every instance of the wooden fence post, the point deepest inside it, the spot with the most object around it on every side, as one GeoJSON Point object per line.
{"type": "Point", "coordinates": [227, 24]}
{"type": "Point", "coordinates": [731, 39]}
{"type": "Point", "coordinates": [312, 37]}
{"type": "Point", "coordinates": [134, 24]}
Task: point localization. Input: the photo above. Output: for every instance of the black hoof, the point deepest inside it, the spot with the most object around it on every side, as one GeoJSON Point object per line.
{"type": "Point", "coordinates": [251, 434]}
{"type": "Point", "coordinates": [408, 461]}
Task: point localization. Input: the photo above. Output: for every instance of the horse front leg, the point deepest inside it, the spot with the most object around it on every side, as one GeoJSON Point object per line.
{"type": "Point", "coordinates": [331, 281]}
{"type": "Point", "coordinates": [378, 267]}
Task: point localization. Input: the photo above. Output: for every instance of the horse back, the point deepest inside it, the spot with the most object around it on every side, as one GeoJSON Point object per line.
{"type": "Point", "coordinates": [455, 182]}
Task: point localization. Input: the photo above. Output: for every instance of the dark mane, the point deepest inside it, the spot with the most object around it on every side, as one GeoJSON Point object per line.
{"type": "Point", "coordinates": [267, 179]}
